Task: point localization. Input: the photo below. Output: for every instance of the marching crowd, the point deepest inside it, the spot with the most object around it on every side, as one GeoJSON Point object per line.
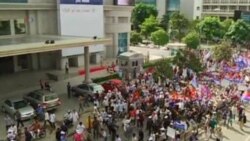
{"type": "Point", "coordinates": [144, 109]}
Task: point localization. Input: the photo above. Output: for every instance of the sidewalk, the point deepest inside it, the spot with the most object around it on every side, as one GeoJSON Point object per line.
{"type": "Point", "coordinates": [22, 82]}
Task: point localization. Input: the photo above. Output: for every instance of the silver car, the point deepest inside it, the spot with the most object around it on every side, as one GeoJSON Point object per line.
{"type": "Point", "coordinates": [10, 106]}
{"type": "Point", "coordinates": [48, 99]}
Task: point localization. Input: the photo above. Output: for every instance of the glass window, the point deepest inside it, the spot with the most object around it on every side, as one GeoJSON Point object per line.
{"type": "Point", "coordinates": [20, 104]}
{"type": "Point", "coordinates": [152, 2]}
{"type": "Point", "coordinates": [5, 27]}
{"type": "Point", "coordinates": [51, 97]}
{"type": "Point", "coordinates": [8, 103]}
{"type": "Point", "coordinates": [122, 42]}
{"type": "Point", "coordinates": [19, 25]}
{"type": "Point", "coordinates": [173, 5]}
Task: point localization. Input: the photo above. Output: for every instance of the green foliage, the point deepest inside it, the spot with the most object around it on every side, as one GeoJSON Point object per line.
{"type": "Point", "coordinates": [106, 78]}
{"type": "Point", "coordinates": [178, 25]}
{"type": "Point", "coordinates": [150, 25]}
{"type": "Point", "coordinates": [186, 58]}
{"type": "Point", "coordinates": [222, 51]}
{"type": "Point", "coordinates": [238, 33]}
{"type": "Point", "coordinates": [159, 37]}
{"type": "Point", "coordinates": [164, 68]}
{"type": "Point", "coordinates": [211, 28]}
{"type": "Point", "coordinates": [192, 40]}
{"type": "Point", "coordinates": [226, 24]}
{"type": "Point", "coordinates": [193, 26]}
{"type": "Point", "coordinates": [135, 38]}
{"type": "Point", "coordinates": [140, 13]}
{"type": "Point", "coordinates": [164, 23]}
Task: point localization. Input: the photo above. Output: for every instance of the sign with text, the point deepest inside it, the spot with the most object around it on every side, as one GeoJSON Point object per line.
{"type": "Point", "coordinates": [90, 2]}
{"type": "Point", "coordinates": [83, 21]}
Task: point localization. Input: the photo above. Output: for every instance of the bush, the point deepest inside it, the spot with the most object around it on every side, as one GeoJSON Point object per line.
{"type": "Point", "coordinates": [106, 78]}
{"type": "Point", "coordinates": [135, 38]}
{"type": "Point", "coordinates": [149, 64]}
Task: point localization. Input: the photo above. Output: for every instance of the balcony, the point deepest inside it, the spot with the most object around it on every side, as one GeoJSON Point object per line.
{"type": "Point", "coordinates": [226, 2]}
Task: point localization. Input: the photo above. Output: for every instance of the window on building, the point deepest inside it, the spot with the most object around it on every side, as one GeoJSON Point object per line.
{"type": "Point", "coordinates": [197, 17]}
{"type": "Point", "coordinates": [19, 25]}
{"type": "Point", "coordinates": [198, 8]}
{"type": "Point", "coordinates": [122, 42]}
{"type": "Point", "coordinates": [123, 20]}
{"type": "Point", "coordinates": [5, 27]}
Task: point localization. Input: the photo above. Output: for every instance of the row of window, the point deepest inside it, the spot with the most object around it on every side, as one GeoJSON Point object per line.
{"type": "Point", "coordinates": [225, 8]}
{"type": "Point", "coordinates": [226, 1]}
{"type": "Point", "coordinates": [10, 27]}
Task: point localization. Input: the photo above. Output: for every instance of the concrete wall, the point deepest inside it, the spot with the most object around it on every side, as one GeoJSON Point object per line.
{"type": "Point", "coordinates": [47, 23]}
{"type": "Point", "coordinates": [48, 60]}
{"type": "Point", "coordinates": [161, 7]}
{"type": "Point", "coordinates": [187, 8]}
{"type": "Point", "coordinates": [117, 20]}
{"type": "Point", "coordinates": [191, 8]}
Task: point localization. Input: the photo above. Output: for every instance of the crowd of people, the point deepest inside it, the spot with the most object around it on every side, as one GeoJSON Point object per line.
{"type": "Point", "coordinates": [146, 109]}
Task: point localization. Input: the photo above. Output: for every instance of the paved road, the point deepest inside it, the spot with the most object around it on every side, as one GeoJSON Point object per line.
{"type": "Point", "coordinates": [152, 51]}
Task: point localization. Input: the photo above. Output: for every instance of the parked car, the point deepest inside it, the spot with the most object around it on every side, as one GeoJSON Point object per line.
{"type": "Point", "coordinates": [112, 84]}
{"type": "Point", "coordinates": [85, 89]}
{"type": "Point", "coordinates": [10, 106]}
{"type": "Point", "coordinates": [48, 99]}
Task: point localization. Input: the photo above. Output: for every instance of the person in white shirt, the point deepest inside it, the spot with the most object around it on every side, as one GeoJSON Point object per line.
{"type": "Point", "coordinates": [52, 119]}
{"type": "Point", "coordinates": [80, 127]}
{"type": "Point", "coordinates": [118, 138]}
{"type": "Point", "coordinates": [134, 138]}
{"type": "Point", "coordinates": [46, 118]}
{"type": "Point", "coordinates": [75, 116]}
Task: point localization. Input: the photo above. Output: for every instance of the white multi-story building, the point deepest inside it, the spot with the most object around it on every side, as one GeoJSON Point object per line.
{"type": "Point", "coordinates": [224, 8]}
{"type": "Point", "coordinates": [28, 21]}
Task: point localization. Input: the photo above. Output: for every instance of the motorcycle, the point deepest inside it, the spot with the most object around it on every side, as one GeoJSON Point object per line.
{"type": "Point", "coordinates": [41, 133]}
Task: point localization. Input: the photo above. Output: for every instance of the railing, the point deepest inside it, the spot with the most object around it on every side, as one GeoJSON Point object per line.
{"type": "Point", "coordinates": [226, 1]}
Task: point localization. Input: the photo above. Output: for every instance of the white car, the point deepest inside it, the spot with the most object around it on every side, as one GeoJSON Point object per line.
{"type": "Point", "coordinates": [10, 106]}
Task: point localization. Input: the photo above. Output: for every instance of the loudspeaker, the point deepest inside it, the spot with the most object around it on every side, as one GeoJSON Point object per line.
{"type": "Point", "coordinates": [237, 15]}
{"type": "Point", "coordinates": [47, 42]}
{"type": "Point", "coordinates": [52, 41]}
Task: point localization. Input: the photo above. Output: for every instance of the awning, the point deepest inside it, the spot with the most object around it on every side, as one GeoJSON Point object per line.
{"type": "Point", "coordinates": [36, 44]}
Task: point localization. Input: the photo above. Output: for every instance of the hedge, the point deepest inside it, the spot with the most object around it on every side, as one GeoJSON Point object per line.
{"type": "Point", "coordinates": [106, 78]}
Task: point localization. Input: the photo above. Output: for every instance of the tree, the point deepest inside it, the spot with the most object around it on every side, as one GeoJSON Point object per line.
{"type": "Point", "coordinates": [226, 24]}
{"type": "Point", "coordinates": [160, 37]}
{"type": "Point", "coordinates": [192, 40]}
{"type": "Point", "coordinates": [238, 33]}
{"type": "Point", "coordinates": [222, 51]}
{"type": "Point", "coordinates": [150, 25]}
{"type": "Point", "coordinates": [164, 68]}
{"type": "Point", "coordinates": [185, 58]}
{"type": "Point", "coordinates": [135, 38]}
{"type": "Point", "coordinates": [164, 23]}
{"type": "Point", "coordinates": [140, 13]}
{"type": "Point", "coordinates": [211, 28]}
{"type": "Point", "coordinates": [193, 25]}
{"type": "Point", "coordinates": [178, 24]}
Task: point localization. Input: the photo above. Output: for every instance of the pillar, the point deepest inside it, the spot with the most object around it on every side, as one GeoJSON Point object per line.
{"type": "Point", "coordinates": [86, 64]}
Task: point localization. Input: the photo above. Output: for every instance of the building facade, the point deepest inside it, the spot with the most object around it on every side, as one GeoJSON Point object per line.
{"type": "Point", "coordinates": [191, 9]}
{"type": "Point", "coordinates": [224, 8]}
{"type": "Point", "coordinates": [20, 18]}
{"type": "Point", "coordinates": [163, 6]}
